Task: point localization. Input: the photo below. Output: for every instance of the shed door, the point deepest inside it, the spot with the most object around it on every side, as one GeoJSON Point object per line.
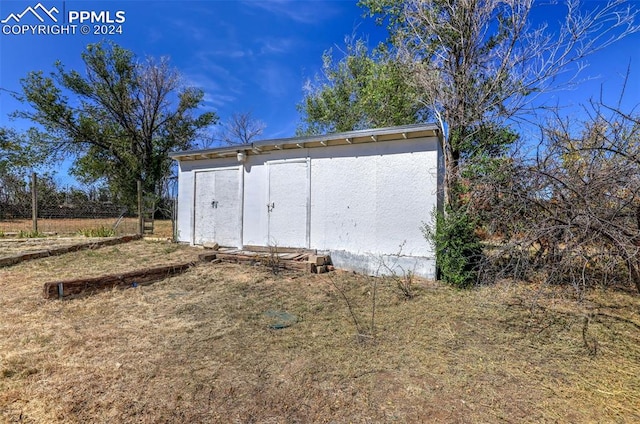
{"type": "Point", "coordinates": [217, 208]}
{"type": "Point", "coordinates": [288, 205]}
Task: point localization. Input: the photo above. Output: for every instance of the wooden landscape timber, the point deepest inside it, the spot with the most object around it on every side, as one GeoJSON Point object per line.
{"type": "Point", "coordinates": [15, 259]}
{"type": "Point", "coordinates": [61, 289]}
{"type": "Point", "coordinates": [302, 260]}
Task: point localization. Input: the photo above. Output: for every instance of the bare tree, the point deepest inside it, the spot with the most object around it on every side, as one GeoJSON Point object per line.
{"type": "Point", "coordinates": [572, 213]}
{"type": "Point", "coordinates": [482, 61]}
{"type": "Point", "coordinates": [240, 128]}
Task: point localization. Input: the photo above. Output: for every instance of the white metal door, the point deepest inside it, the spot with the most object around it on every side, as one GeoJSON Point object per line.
{"type": "Point", "coordinates": [288, 206]}
{"type": "Point", "coordinates": [203, 220]}
{"type": "Point", "coordinates": [217, 208]}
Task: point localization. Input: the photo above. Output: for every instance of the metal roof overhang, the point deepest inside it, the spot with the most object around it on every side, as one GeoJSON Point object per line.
{"type": "Point", "coordinates": [336, 139]}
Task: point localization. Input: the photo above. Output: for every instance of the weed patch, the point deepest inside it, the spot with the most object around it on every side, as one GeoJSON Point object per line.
{"type": "Point", "coordinates": [101, 231]}
{"type": "Point", "coordinates": [30, 234]}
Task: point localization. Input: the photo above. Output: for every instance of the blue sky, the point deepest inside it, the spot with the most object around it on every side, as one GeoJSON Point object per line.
{"type": "Point", "coordinates": [248, 55]}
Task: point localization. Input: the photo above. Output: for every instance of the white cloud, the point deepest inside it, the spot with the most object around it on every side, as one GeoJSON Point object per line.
{"type": "Point", "coordinates": [276, 45]}
{"type": "Point", "coordinates": [306, 12]}
{"type": "Point", "coordinates": [186, 28]}
{"type": "Point", "coordinates": [275, 79]}
{"type": "Point", "coordinates": [219, 100]}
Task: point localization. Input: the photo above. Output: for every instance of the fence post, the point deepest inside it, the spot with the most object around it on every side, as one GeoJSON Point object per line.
{"type": "Point", "coordinates": [34, 202]}
{"type": "Point", "coordinates": [140, 211]}
{"type": "Point", "coordinates": [174, 220]}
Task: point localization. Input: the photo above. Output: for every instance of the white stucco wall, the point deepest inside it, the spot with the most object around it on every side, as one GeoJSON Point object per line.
{"type": "Point", "coordinates": [369, 202]}
{"type": "Point", "coordinates": [365, 201]}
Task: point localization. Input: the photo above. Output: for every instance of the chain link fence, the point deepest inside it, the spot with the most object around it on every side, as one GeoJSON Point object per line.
{"type": "Point", "coordinates": [39, 209]}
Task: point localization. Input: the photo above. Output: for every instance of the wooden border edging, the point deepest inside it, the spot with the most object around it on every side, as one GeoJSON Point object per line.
{"type": "Point", "coordinates": [37, 254]}
{"type": "Point", "coordinates": [61, 289]}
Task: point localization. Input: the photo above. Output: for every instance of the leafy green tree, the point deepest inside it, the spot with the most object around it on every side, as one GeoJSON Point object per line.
{"type": "Point", "coordinates": [119, 121]}
{"type": "Point", "coordinates": [11, 183]}
{"type": "Point", "coordinates": [362, 90]}
{"type": "Point", "coordinates": [12, 151]}
{"type": "Point", "coordinates": [16, 157]}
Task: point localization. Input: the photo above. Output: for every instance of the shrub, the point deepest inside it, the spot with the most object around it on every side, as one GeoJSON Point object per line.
{"type": "Point", "coordinates": [457, 246]}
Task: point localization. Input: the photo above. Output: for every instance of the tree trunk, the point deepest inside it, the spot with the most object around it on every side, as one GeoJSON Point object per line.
{"type": "Point", "coordinates": [634, 273]}
{"type": "Point", "coordinates": [451, 177]}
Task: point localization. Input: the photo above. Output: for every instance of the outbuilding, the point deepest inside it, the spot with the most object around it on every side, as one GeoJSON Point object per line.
{"type": "Point", "coordinates": [361, 196]}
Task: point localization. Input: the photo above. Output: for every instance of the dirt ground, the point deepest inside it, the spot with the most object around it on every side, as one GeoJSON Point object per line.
{"type": "Point", "coordinates": [14, 246]}
{"type": "Point", "coordinates": [203, 347]}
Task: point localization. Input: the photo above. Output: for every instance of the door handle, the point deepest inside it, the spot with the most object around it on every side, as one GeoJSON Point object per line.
{"type": "Point", "coordinates": [270, 206]}
{"type": "Point", "coordinates": [214, 204]}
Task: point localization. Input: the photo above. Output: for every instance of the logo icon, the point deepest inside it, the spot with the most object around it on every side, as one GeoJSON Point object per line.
{"type": "Point", "coordinates": [34, 11]}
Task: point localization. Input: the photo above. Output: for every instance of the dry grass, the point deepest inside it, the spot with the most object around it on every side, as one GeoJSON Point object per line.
{"type": "Point", "coordinates": [198, 348]}
{"type": "Point", "coordinates": [162, 228]}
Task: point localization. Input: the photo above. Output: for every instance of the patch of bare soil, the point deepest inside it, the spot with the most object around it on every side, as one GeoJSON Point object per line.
{"type": "Point", "coordinates": [200, 347]}
{"type": "Point", "coordinates": [14, 246]}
